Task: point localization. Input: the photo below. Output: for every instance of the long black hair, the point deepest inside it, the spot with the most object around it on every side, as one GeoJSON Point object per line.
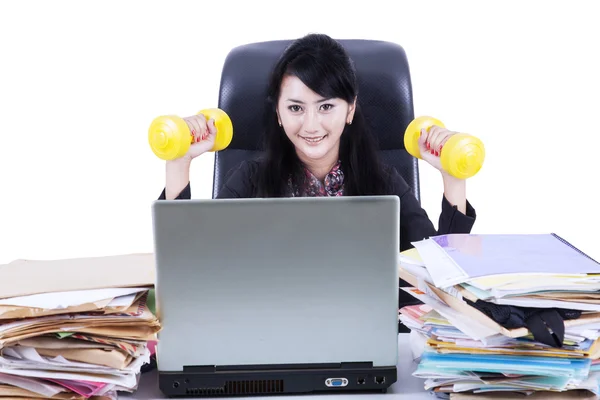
{"type": "Point", "coordinates": [323, 65]}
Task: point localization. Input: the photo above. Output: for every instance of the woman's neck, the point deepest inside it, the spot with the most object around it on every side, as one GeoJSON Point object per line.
{"type": "Point", "coordinates": [320, 168]}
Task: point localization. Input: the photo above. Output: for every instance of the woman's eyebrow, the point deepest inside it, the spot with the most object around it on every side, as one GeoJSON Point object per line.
{"type": "Point", "coordinates": [301, 102]}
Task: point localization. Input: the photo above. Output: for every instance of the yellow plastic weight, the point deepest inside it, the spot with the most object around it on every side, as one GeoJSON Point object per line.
{"type": "Point", "coordinates": [462, 155]}
{"type": "Point", "coordinates": [170, 137]}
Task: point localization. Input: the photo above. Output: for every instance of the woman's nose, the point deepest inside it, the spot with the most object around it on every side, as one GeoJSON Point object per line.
{"type": "Point", "coordinates": [311, 122]}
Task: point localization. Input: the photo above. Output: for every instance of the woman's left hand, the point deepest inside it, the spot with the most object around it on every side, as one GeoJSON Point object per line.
{"type": "Point", "coordinates": [431, 143]}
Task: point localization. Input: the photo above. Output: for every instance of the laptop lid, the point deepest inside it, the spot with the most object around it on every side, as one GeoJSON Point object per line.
{"type": "Point", "coordinates": [277, 281]}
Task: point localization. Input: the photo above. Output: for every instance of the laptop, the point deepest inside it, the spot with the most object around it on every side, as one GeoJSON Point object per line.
{"type": "Point", "coordinates": [277, 296]}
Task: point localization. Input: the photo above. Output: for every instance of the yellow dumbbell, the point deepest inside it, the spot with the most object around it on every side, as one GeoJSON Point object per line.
{"type": "Point", "coordinates": [170, 136]}
{"type": "Point", "coordinates": [462, 155]}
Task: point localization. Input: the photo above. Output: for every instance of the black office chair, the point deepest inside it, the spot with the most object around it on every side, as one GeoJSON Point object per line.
{"type": "Point", "coordinates": [385, 95]}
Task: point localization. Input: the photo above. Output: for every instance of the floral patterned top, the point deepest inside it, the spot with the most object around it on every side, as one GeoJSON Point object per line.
{"type": "Point", "coordinates": [332, 185]}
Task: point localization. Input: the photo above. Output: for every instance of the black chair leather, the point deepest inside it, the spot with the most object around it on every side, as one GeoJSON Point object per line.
{"type": "Point", "coordinates": [385, 95]}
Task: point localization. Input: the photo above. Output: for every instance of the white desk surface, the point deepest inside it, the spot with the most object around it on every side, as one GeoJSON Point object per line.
{"type": "Point", "coordinates": [406, 387]}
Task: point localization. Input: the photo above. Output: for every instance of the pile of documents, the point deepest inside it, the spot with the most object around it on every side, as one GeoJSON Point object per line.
{"type": "Point", "coordinates": [503, 317]}
{"type": "Point", "coordinates": [75, 329]}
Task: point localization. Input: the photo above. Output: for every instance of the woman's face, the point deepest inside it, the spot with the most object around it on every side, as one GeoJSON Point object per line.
{"type": "Point", "coordinates": [313, 124]}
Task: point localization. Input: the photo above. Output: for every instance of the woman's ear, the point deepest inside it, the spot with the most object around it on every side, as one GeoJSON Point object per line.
{"type": "Point", "coordinates": [351, 110]}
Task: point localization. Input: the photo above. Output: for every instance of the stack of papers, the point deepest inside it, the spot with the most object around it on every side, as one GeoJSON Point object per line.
{"type": "Point", "coordinates": [75, 329]}
{"type": "Point", "coordinates": [504, 316]}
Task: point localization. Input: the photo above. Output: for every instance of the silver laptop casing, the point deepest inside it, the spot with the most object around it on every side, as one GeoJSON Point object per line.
{"type": "Point", "coordinates": [277, 281]}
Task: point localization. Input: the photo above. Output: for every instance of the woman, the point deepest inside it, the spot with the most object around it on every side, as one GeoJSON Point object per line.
{"type": "Point", "coordinates": [317, 144]}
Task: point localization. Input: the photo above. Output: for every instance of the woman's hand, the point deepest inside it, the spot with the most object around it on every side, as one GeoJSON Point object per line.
{"type": "Point", "coordinates": [204, 133]}
{"type": "Point", "coordinates": [431, 144]}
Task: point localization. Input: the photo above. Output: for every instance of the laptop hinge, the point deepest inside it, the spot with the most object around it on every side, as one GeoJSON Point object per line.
{"type": "Point", "coordinates": [199, 369]}
{"type": "Point", "coordinates": [355, 365]}
{"type": "Point", "coordinates": [271, 367]}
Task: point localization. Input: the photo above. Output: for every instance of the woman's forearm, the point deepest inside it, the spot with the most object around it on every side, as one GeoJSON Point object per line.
{"type": "Point", "coordinates": [177, 177]}
{"type": "Point", "coordinates": [455, 191]}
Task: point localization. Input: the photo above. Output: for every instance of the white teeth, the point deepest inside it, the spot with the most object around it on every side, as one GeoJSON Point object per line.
{"type": "Point", "coordinates": [314, 140]}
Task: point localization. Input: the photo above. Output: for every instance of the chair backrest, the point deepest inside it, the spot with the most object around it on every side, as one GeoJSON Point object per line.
{"type": "Point", "coordinates": [385, 96]}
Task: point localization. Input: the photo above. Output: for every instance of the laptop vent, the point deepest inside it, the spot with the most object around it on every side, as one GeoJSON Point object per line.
{"type": "Point", "coordinates": [205, 392]}
{"type": "Point", "coordinates": [240, 387]}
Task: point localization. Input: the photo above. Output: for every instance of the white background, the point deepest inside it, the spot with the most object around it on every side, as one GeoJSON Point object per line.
{"type": "Point", "coordinates": [80, 82]}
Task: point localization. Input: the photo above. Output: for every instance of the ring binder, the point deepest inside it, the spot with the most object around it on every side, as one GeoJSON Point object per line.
{"type": "Point", "coordinates": [573, 247]}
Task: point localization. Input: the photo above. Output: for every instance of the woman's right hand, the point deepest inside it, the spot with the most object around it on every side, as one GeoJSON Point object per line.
{"type": "Point", "coordinates": [204, 133]}
{"type": "Point", "coordinates": [178, 170]}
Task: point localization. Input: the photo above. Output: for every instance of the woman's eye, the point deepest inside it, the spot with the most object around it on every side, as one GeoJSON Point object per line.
{"type": "Point", "coordinates": [294, 108]}
{"type": "Point", "coordinates": [326, 107]}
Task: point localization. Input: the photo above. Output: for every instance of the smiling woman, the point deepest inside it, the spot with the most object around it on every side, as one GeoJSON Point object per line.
{"type": "Point", "coordinates": [318, 144]}
{"type": "Point", "coordinates": [313, 124]}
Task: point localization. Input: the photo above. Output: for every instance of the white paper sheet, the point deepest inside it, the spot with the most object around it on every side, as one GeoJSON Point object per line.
{"type": "Point", "coordinates": [442, 269]}
{"type": "Point", "coordinates": [60, 300]}
{"type": "Point", "coordinates": [33, 385]}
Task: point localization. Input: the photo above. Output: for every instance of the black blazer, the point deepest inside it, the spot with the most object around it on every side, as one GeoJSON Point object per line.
{"type": "Point", "coordinates": [415, 224]}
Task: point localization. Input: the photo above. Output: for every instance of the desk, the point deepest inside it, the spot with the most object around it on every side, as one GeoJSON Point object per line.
{"type": "Point", "coordinates": [406, 387]}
